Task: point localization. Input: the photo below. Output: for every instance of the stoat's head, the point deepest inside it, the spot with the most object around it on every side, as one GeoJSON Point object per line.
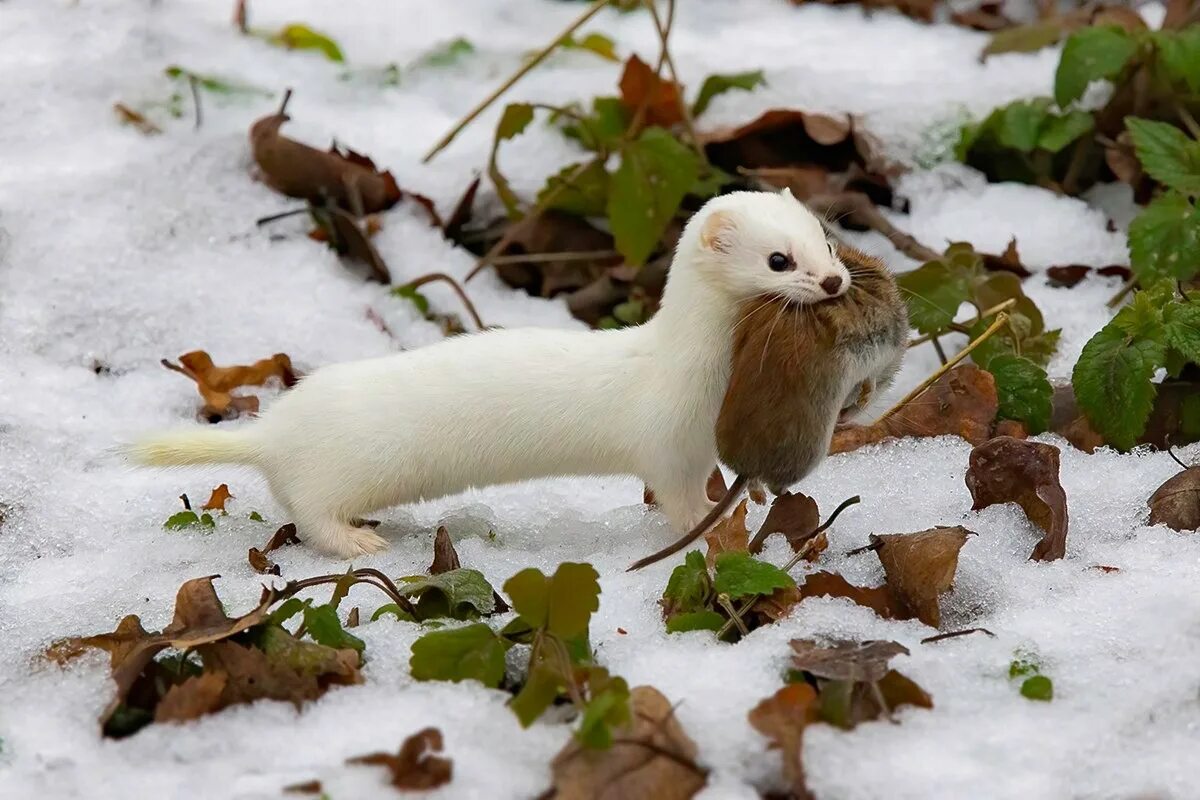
{"type": "Point", "coordinates": [765, 243]}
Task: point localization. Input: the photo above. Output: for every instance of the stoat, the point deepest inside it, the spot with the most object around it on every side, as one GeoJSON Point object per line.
{"type": "Point", "coordinates": [512, 405]}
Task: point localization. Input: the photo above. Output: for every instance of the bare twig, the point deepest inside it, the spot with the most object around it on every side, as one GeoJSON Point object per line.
{"type": "Point", "coordinates": [283, 104]}
{"type": "Point", "coordinates": [664, 33]}
{"type": "Point", "coordinates": [567, 255]}
{"type": "Point", "coordinates": [943, 636]}
{"type": "Point", "coordinates": [458, 289]}
{"type": "Point", "coordinates": [281, 215]}
{"type": "Point", "coordinates": [734, 617]}
{"type": "Point", "coordinates": [1188, 120]}
{"type": "Point", "coordinates": [195, 87]}
{"type": "Point", "coordinates": [538, 58]}
{"type": "Point", "coordinates": [859, 208]}
{"type": "Point", "coordinates": [965, 328]}
{"type": "Point", "coordinates": [1128, 287]}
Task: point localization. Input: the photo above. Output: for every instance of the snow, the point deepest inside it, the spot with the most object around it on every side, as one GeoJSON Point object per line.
{"type": "Point", "coordinates": [119, 250]}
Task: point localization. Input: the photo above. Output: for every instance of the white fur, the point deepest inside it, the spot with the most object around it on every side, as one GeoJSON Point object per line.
{"type": "Point", "coordinates": [511, 405]}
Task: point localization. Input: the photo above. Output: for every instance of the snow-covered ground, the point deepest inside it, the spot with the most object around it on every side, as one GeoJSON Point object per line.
{"type": "Point", "coordinates": [118, 250]}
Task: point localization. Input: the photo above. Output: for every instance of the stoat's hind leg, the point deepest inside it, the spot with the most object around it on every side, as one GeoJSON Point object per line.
{"type": "Point", "coordinates": [685, 503]}
{"type": "Point", "coordinates": [339, 537]}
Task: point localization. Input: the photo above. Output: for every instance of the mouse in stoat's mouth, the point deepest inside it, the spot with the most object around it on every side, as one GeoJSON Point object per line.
{"type": "Point", "coordinates": [510, 405]}
{"type": "Point", "coordinates": [797, 370]}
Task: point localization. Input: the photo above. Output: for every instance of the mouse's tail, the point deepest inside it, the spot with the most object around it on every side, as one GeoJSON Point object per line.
{"type": "Point", "coordinates": [732, 495]}
{"type": "Point", "coordinates": [194, 446]}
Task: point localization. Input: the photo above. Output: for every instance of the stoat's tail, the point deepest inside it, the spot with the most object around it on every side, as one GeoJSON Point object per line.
{"type": "Point", "coordinates": [197, 446]}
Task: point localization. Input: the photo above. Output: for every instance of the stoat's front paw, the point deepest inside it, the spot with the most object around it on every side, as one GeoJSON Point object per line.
{"type": "Point", "coordinates": [361, 542]}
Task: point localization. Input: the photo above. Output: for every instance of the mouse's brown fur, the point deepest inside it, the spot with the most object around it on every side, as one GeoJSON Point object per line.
{"type": "Point", "coordinates": [794, 369]}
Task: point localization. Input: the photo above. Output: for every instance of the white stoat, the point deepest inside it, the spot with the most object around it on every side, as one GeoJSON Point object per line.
{"type": "Point", "coordinates": [511, 405]}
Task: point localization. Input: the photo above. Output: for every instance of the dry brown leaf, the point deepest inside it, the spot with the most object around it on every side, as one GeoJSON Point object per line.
{"type": "Point", "coordinates": [285, 535]}
{"type": "Point", "coordinates": [848, 703]}
{"type": "Point", "coordinates": [218, 498]}
{"type": "Point", "coordinates": [729, 535]}
{"type": "Point", "coordinates": [352, 618]}
{"type": "Point", "coordinates": [963, 402]}
{"type": "Point", "coordinates": [1008, 261]}
{"type": "Point", "coordinates": [1176, 503]}
{"type": "Point", "coordinates": [920, 566]}
{"type": "Point", "coordinates": [795, 516]}
{"type": "Point", "coordinates": [463, 211]}
{"type": "Point", "coordinates": [260, 563]}
{"type": "Point", "coordinates": [417, 765]}
{"type": "Point", "coordinates": [1120, 157]}
{"type": "Point", "coordinates": [559, 232]}
{"type": "Point", "coordinates": [1010, 427]}
{"type": "Point", "coordinates": [662, 98]}
{"type": "Point", "coordinates": [216, 384]}
{"type": "Point", "coordinates": [1007, 470]}
{"type": "Point", "coordinates": [445, 557]}
{"type": "Point", "coordinates": [1068, 275]}
{"type": "Point", "coordinates": [782, 718]}
{"type": "Point", "coordinates": [130, 117]}
{"type": "Point", "coordinates": [351, 237]}
{"type": "Point", "coordinates": [297, 170]}
{"type": "Point", "coordinates": [651, 757]}
{"type": "Point", "coordinates": [774, 606]}
{"type": "Point", "coordinates": [195, 697]}
{"type": "Point", "coordinates": [880, 599]}
{"type": "Point", "coordinates": [845, 661]}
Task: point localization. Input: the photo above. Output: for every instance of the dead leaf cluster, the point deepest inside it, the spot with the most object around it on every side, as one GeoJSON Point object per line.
{"type": "Point", "coordinates": [216, 384]}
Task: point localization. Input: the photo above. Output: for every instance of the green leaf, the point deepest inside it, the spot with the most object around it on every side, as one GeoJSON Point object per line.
{"type": "Point", "coordinates": [706, 620]}
{"type": "Point", "coordinates": [1038, 687]}
{"type": "Point", "coordinates": [1024, 38]}
{"type": "Point", "coordinates": [739, 575]}
{"type": "Point", "coordinates": [1090, 54]}
{"type": "Point", "coordinates": [413, 296]}
{"type": "Point", "coordinates": [1169, 155]}
{"type": "Point", "coordinates": [1181, 324]}
{"type": "Point", "coordinates": [393, 609]}
{"type": "Point", "coordinates": [710, 182]}
{"type": "Point", "coordinates": [446, 54]}
{"type": "Point", "coordinates": [302, 37]}
{"type": "Point", "coordinates": [607, 707]}
{"type": "Point", "coordinates": [1164, 240]}
{"type": "Point", "coordinates": [459, 593]}
{"type": "Point", "coordinates": [585, 196]}
{"type": "Point", "coordinates": [325, 628]}
{"type": "Point", "coordinates": [213, 84]}
{"type": "Point", "coordinates": [1179, 52]}
{"type": "Point", "coordinates": [597, 43]}
{"type": "Point", "coordinates": [631, 312]}
{"type": "Point", "coordinates": [541, 689]}
{"type": "Point", "coordinates": [718, 84]}
{"type": "Point", "coordinates": [689, 587]}
{"type": "Point", "coordinates": [288, 609]}
{"type": "Point", "coordinates": [1024, 391]}
{"type": "Point", "coordinates": [188, 519]}
{"type": "Point", "coordinates": [1112, 381]}
{"type": "Point", "coordinates": [529, 593]}
{"type": "Point", "coordinates": [656, 172]}
{"type": "Point", "coordinates": [1020, 124]}
{"type": "Point", "coordinates": [471, 653]}
{"type": "Point", "coordinates": [513, 122]}
{"type": "Point", "coordinates": [256, 517]}
{"type": "Point", "coordinates": [602, 130]}
{"type": "Point", "coordinates": [562, 604]}
{"type": "Point", "coordinates": [1058, 131]}
{"type": "Point", "coordinates": [1021, 667]}
{"type": "Point", "coordinates": [934, 293]}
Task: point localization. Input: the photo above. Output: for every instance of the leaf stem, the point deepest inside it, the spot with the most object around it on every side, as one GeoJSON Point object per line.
{"type": "Point", "coordinates": [458, 289]}
{"type": "Point", "coordinates": [1116, 299]}
{"type": "Point", "coordinates": [664, 33]}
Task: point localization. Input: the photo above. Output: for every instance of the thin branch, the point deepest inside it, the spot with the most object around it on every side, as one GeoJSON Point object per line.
{"type": "Point", "coordinates": [458, 289]}
{"type": "Point", "coordinates": [937, 347]}
{"type": "Point", "coordinates": [664, 33]}
{"type": "Point", "coordinates": [1116, 299]}
{"type": "Point", "coordinates": [538, 58]}
{"type": "Point", "coordinates": [965, 328]}
{"type": "Point", "coordinates": [941, 637]}
{"type": "Point", "coordinates": [1001, 321]}
{"type": "Point", "coordinates": [734, 617]}
{"type": "Point", "coordinates": [283, 104]}
{"type": "Point", "coordinates": [568, 255]}
{"type": "Point", "coordinates": [194, 84]}
{"type": "Point", "coordinates": [281, 215]}
{"type": "Point", "coordinates": [1188, 120]}
{"type": "Point", "coordinates": [859, 208]}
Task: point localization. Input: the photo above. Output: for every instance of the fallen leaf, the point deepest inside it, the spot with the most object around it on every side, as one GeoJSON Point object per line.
{"type": "Point", "coordinates": [1068, 275]}
{"type": "Point", "coordinates": [308, 787]}
{"type": "Point", "coordinates": [880, 599]}
{"type": "Point", "coordinates": [794, 515]}
{"type": "Point", "coordinates": [352, 618]}
{"type": "Point", "coordinates": [445, 558]}
{"type": "Point", "coordinates": [845, 661]}
{"type": "Point", "coordinates": [191, 699]}
{"type": "Point", "coordinates": [285, 535]}
{"type": "Point", "coordinates": [417, 765]}
{"type": "Point", "coordinates": [297, 170]}
{"type": "Point", "coordinates": [351, 237]}
{"type": "Point", "coordinates": [218, 498]}
{"type": "Point", "coordinates": [217, 383]}
{"type": "Point", "coordinates": [846, 704]}
{"type": "Point", "coordinates": [963, 402]}
{"type": "Point", "coordinates": [775, 606]}
{"type": "Point", "coordinates": [463, 212]}
{"type": "Point", "coordinates": [1007, 470]}
{"type": "Point", "coordinates": [261, 564]}
{"type": "Point", "coordinates": [651, 756]}
{"type": "Point", "coordinates": [1008, 261]}
{"type": "Point", "coordinates": [641, 87]}
{"type": "Point", "coordinates": [782, 718]}
{"type": "Point", "coordinates": [1010, 427]}
{"type": "Point", "coordinates": [729, 535]}
{"type": "Point", "coordinates": [920, 566]}
{"type": "Point", "coordinates": [130, 117]}
{"type": "Point", "coordinates": [1176, 503]}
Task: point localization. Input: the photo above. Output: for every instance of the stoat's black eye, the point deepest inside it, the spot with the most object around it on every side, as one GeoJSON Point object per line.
{"type": "Point", "coordinates": [778, 262]}
{"type": "Point", "coordinates": [830, 247]}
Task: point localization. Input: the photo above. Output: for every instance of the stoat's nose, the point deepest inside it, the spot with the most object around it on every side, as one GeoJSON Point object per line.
{"type": "Point", "coordinates": [832, 284]}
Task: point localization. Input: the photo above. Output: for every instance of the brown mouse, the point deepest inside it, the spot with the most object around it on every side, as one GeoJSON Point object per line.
{"type": "Point", "coordinates": [797, 369]}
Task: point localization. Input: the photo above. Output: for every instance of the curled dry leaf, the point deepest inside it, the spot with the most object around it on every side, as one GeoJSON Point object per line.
{"type": "Point", "coordinates": [845, 661]}
{"type": "Point", "coordinates": [963, 402]}
{"type": "Point", "coordinates": [729, 535]}
{"type": "Point", "coordinates": [285, 535]}
{"type": "Point", "coordinates": [417, 765]}
{"type": "Point", "coordinates": [920, 566]}
{"type": "Point", "coordinates": [352, 238]}
{"type": "Point", "coordinates": [1007, 470]}
{"type": "Point", "coordinates": [1008, 261]}
{"type": "Point", "coordinates": [136, 119]}
{"type": "Point", "coordinates": [297, 170]}
{"type": "Point", "coordinates": [782, 718]}
{"type": "Point", "coordinates": [651, 756]}
{"type": "Point", "coordinates": [260, 563]}
{"type": "Point", "coordinates": [445, 557]}
{"type": "Point", "coordinates": [216, 384]}
{"type": "Point", "coordinates": [1068, 275]}
{"type": "Point", "coordinates": [218, 498]}
{"type": "Point", "coordinates": [880, 599]}
{"type": "Point", "coordinates": [662, 98]}
{"type": "Point", "coordinates": [795, 516]}
{"type": "Point", "coordinates": [1176, 503]}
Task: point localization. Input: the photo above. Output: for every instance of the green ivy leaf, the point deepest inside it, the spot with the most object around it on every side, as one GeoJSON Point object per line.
{"type": "Point", "coordinates": [607, 707]}
{"type": "Point", "coordinates": [302, 37]}
{"type": "Point", "coordinates": [414, 296]}
{"type": "Point", "coordinates": [1179, 53]}
{"type": "Point", "coordinates": [706, 620]}
{"type": "Point", "coordinates": [1169, 155]}
{"type": "Point", "coordinates": [739, 575]}
{"type": "Point", "coordinates": [718, 84]}
{"type": "Point", "coordinates": [688, 588]}
{"type": "Point", "coordinates": [587, 193]}
{"type": "Point", "coordinates": [1181, 324]}
{"type": "Point", "coordinates": [1112, 381]}
{"type": "Point", "coordinates": [459, 593]}
{"type": "Point", "coordinates": [1038, 687]}
{"type": "Point", "coordinates": [1089, 55]}
{"type": "Point", "coordinates": [933, 293]}
{"type": "Point", "coordinates": [1058, 131]}
{"type": "Point", "coordinates": [471, 653]}
{"type": "Point", "coordinates": [597, 43]}
{"type": "Point", "coordinates": [325, 628]}
{"type": "Point", "coordinates": [541, 688]}
{"type": "Point", "coordinates": [513, 122]}
{"type": "Point", "coordinates": [446, 54]}
{"type": "Point", "coordinates": [656, 171]}
{"type": "Point", "coordinates": [1024, 391]}
{"type": "Point", "coordinates": [1164, 240]}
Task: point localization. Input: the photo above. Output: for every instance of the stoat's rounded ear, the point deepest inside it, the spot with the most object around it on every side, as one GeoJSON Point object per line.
{"type": "Point", "coordinates": [717, 232]}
